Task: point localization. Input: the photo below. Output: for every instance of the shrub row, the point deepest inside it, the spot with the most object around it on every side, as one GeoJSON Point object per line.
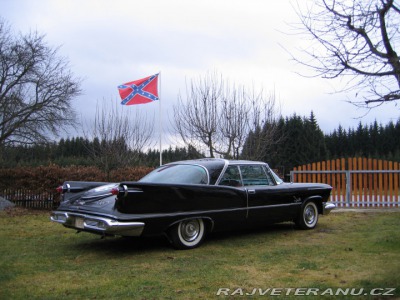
{"type": "Point", "coordinates": [47, 178]}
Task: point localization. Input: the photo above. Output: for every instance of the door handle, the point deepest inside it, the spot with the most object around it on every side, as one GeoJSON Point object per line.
{"type": "Point", "coordinates": [251, 191]}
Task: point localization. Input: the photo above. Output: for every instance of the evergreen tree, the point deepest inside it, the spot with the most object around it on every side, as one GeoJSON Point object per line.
{"type": "Point", "coordinates": [300, 141]}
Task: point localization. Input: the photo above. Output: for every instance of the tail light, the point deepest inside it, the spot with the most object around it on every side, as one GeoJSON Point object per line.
{"type": "Point", "coordinates": [115, 191]}
{"type": "Point", "coordinates": [63, 188]}
{"type": "Point", "coordinates": [120, 192]}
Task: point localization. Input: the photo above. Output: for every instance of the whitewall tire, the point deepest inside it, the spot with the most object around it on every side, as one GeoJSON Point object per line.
{"type": "Point", "coordinates": [308, 217]}
{"type": "Point", "coordinates": [187, 234]}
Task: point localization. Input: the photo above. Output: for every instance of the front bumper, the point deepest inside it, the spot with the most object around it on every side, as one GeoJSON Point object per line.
{"type": "Point", "coordinates": [327, 207]}
{"type": "Point", "coordinates": [95, 224]}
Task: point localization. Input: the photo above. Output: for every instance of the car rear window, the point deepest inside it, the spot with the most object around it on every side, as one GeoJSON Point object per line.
{"type": "Point", "coordinates": [179, 174]}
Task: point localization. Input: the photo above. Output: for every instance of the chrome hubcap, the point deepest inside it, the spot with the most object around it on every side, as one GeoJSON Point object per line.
{"type": "Point", "coordinates": [309, 215]}
{"type": "Point", "coordinates": [190, 230]}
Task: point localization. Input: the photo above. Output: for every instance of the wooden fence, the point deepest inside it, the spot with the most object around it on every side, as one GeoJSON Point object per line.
{"type": "Point", "coordinates": [31, 199]}
{"type": "Point", "coordinates": [356, 182]}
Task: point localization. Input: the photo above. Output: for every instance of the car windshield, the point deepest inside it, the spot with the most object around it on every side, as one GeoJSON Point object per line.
{"type": "Point", "coordinates": [277, 178]}
{"type": "Point", "coordinates": [180, 174]}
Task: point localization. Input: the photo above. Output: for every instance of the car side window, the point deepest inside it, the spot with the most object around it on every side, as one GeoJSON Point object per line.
{"type": "Point", "coordinates": [231, 177]}
{"type": "Point", "coordinates": [255, 175]}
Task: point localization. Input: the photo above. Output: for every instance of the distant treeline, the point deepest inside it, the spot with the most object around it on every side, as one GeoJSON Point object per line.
{"type": "Point", "coordinates": [301, 141]}
{"type": "Point", "coordinates": [78, 151]}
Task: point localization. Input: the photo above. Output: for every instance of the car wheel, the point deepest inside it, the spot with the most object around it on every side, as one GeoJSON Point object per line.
{"type": "Point", "coordinates": [187, 234]}
{"type": "Point", "coordinates": [308, 216]}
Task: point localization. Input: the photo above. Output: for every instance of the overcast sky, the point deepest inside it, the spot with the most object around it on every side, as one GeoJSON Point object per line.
{"type": "Point", "coordinates": [109, 42]}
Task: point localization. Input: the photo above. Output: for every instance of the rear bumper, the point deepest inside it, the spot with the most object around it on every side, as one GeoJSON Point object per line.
{"type": "Point", "coordinates": [327, 207]}
{"type": "Point", "coordinates": [95, 224]}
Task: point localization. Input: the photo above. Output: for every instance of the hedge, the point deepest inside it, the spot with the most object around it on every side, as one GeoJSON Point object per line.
{"type": "Point", "coordinates": [34, 182]}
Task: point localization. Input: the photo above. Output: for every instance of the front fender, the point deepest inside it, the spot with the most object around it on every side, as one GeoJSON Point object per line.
{"type": "Point", "coordinates": [317, 200]}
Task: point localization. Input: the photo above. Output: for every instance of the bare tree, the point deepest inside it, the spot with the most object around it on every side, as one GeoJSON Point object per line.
{"type": "Point", "coordinates": [36, 89]}
{"type": "Point", "coordinates": [120, 134]}
{"type": "Point", "coordinates": [264, 132]}
{"type": "Point", "coordinates": [196, 117]}
{"type": "Point", "coordinates": [233, 122]}
{"type": "Point", "coordinates": [220, 117]}
{"type": "Point", "coordinates": [357, 39]}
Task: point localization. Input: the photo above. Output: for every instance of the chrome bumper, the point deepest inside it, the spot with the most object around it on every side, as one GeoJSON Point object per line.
{"type": "Point", "coordinates": [100, 225]}
{"type": "Point", "coordinates": [327, 207]}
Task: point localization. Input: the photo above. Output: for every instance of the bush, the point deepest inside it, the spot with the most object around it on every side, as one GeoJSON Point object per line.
{"type": "Point", "coordinates": [45, 179]}
{"type": "Point", "coordinates": [49, 177]}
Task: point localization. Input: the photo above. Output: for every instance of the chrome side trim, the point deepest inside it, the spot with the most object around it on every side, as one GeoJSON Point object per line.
{"type": "Point", "coordinates": [96, 224]}
{"type": "Point", "coordinates": [327, 208]}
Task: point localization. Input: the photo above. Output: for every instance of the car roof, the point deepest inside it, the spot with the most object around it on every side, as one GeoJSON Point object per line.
{"type": "Point", "coordinates": [213, 162]}
{"type": "Point", "coordinates": [215, 166]}
{"type": "Point", "coordinates": [205, 162]}
{"type": "Point", "coordinates": [245, 162]}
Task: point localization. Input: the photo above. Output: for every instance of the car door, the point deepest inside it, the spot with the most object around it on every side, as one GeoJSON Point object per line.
{"type": "Point", "coordinates": [268, 201]}
{"type": "Point", "coordinates": [237, 206]}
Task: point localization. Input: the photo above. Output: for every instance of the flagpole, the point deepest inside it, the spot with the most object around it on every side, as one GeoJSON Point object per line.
{"type": "Point", "coordinates": [159, 115]}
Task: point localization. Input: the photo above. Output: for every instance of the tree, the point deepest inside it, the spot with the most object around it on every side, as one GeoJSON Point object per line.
{"type": "Point", "coordinates": [301, 141]}
{"type": "Point", "coordinates": [314, 139]}
{"type": "Point", "coordinates": [375, 140]}
{"type": "Point", "coordinates": [36, 89]}
{"type": "Point", "coordinates": [358, 40]}
{"type": "Point", "coordinates": [219, 117]}
{"type": "Point", "coordinates": [118, 136]}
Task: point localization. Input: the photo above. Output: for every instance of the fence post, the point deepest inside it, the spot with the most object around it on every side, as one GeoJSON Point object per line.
{"type": "Point", "coordinates": [348, 187]}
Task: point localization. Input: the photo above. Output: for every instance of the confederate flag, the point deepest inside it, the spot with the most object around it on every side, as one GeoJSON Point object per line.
{"type": "Point", "coordinates": [139, 91]}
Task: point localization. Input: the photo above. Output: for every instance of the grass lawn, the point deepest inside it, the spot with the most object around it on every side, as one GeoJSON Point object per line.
{"type": "Point", "coordinates": [43, 260]}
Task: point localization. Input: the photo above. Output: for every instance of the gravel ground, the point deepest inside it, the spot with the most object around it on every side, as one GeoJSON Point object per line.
{"type": "Point", "coordinates": [378, 209]}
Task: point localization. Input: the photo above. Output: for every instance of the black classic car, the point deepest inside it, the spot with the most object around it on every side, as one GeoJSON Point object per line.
{"type": "Point", "coordinates": [186, 200]}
